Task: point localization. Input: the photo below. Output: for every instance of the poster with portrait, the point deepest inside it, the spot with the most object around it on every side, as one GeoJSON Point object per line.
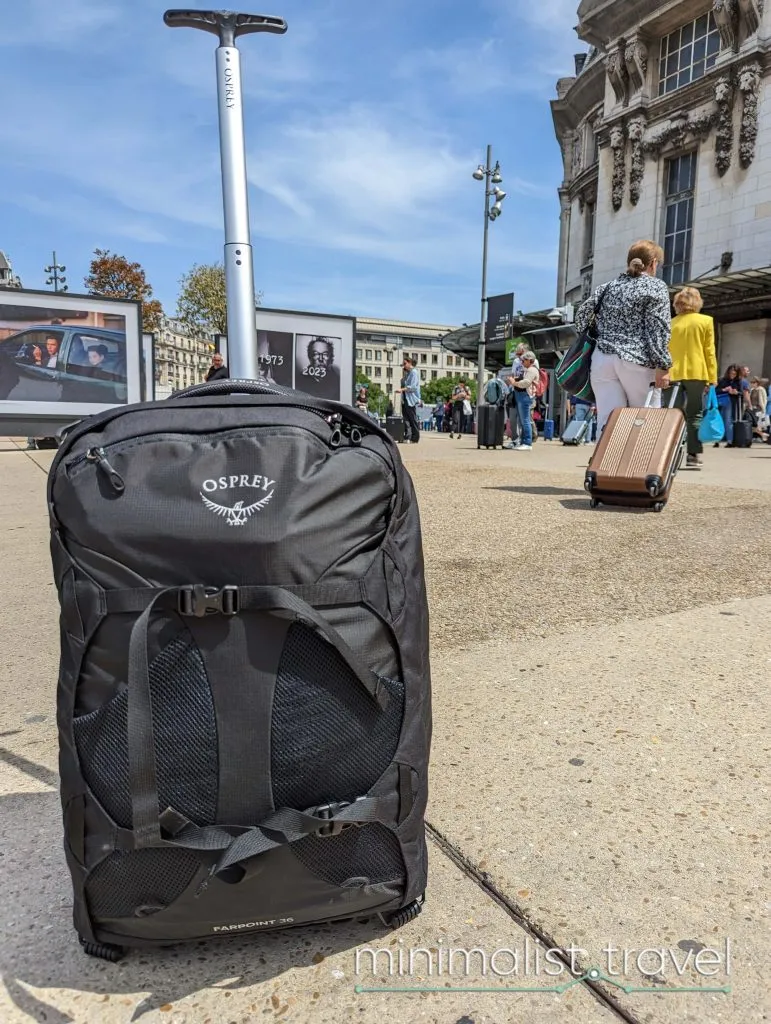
{"type": "Point", "coordinates": [67, 355]}
{"type": "Point", "coordinates": [310, 352]}
{"type": "Point", "coordinates": [316, 370]}
{"type": "Point", "coordinates": [274, 354]}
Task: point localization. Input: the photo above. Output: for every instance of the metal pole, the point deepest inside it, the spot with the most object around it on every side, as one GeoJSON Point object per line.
{"type": "Point", "coordinates": [481, 354]}
{"type": "Point", "coordinates": [239, 270]}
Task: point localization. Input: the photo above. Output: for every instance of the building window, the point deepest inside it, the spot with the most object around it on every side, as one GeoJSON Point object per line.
{"type": "Point", "coordinates": [423, 357]}
{"type": "Point", "coordinates": [591, 220]}
{"type": "Point", "coordinates": [434, 374]}
{"type": "Point", "coordinates": [378, 356]}
{"type": "Point", "coordinates": [422, 374]}
{"type": "Point", "coordinates": [368, 371]}
{"type": "Point", "coordinates": [378, 372]}
{"type": "Point", "coordinates": [368, 353]}
{"type": "Point", "coordinates": [434, 360]}
{"type": "Point", "coordinates": [359, 353]}
{"type": "Point", "coordinates": [680, 186]}
{"type": "Point", "coordinates": [450, 361]}
{"type": "Point", "coordinates": [688, 53]}
{"type": "Point", "coordinates": [389, 372]}
{"type": "Point", "coordinates": [389, 356]}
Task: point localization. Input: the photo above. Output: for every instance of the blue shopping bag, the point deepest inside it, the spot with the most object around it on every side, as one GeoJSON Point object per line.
{"type": "Point", "coordinates": [712, 427]}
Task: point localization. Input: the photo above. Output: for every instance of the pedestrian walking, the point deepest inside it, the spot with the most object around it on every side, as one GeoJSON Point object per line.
{"type": "Point", "coordinates": [694, 364]}
{"type": "Point", "coordinates": [633, 330]}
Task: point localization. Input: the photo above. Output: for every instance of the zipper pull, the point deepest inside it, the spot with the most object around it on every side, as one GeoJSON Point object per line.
{"type": "Point", "coordinates": [98, 456]}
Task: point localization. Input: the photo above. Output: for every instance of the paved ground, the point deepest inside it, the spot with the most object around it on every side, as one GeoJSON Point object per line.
{"type": "Point", "coordinates": [599, 773]}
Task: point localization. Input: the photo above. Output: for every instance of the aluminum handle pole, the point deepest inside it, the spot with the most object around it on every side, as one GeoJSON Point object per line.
{"type": "Point", "coordinates": [239, 270]}
{"type": "Point", "coordinates": [481, 354]}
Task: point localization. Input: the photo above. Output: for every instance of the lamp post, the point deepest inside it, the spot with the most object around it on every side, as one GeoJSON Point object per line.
{"type": "Point", "coordinates": [56, 279]}
{"type": "Point", "coordinates": [490, 176]}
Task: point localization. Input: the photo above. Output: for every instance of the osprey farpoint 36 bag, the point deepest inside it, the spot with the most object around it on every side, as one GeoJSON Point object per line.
{"type": "Point", "coordinates": [244, 692]}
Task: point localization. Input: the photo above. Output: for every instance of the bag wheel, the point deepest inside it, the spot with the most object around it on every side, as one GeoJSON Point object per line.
{"type": "Point", "coordinates": [659, 506]}
{"type": "Point", "coordinates": [594, 503]}
{"type": "Point", "coordinates": [102, 950]}
{"type": "Point", "coordinates": [398, 918]}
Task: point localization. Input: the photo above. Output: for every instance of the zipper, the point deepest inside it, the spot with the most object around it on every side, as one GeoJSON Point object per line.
{"type": "Point", "coordinates": [99, 458]}
{"type": "Point", "coordinates": [98, 455]}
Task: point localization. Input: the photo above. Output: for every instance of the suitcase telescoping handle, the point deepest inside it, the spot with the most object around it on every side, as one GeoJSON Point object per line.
{"type": "Point", "coordinates": [672, 400]}
{"type": "Point", "coordinates": [239, 272]}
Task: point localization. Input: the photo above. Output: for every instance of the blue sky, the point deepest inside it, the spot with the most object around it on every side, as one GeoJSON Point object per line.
{"type": "Point", "coordinates": [364, 123]}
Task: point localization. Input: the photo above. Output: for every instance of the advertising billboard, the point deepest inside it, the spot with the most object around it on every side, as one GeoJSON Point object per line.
{"type": "Point", "coordinates": [311, 352]}
{"type": "Point", "coordinates": [64, 356]}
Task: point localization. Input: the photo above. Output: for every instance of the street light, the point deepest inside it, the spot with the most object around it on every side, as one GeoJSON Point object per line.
{"type": "Point", "coordinates": [56, 279]}
{"type": "Point", "coordinates": [490, 175]}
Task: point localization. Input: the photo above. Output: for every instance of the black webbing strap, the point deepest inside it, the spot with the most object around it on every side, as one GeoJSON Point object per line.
{"type": "Point", "coordinates": [143, 779]}
{"type": "Point", "coordinates": [141, 748]}
{"type": "Point", "coordinates": [199, 600]}
{"type": "Point", "coordinates": [284, 826]}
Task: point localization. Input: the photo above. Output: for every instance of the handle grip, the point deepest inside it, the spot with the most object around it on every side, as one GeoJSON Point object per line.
{"type": "Point", "coordinates": [228, 25]}
{"type": "Point", "coordinates": [232, 387]}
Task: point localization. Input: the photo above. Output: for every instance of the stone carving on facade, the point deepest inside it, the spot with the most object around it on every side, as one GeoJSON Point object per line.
{"type": "Point", "coordinates": [724, 136]}
{"type": "Point", "coordinates": [727, 18]}
{"type": "Point", "coordinates": [751, 12]}
{"type": "Point", "coordinates": [636, 133]}
{"type": "Point", "coordinates": [749, 86]}
{"type": "Point", "coordinates": [577, 156]}
{"type": "Point", "coordinates": [588, 194]}
{"type": "Point", "coordinates": [586, 284]}
{"type": "Point", "coordinates": [618, 145]}
{"type": "Point", "coordinates": [676, 131]}
{"type": "Point", "coordinates": [636, 59]}
{"type": "Point", "coordinates": [617, 73]}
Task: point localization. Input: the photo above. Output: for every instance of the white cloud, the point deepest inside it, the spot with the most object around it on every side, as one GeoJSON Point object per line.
{"type": "Point", "coordinates": [88, 216]}
{"type": "Point", "coordinates": [355, 182]}
{"type": "Point", "coordinates": [57, 24]}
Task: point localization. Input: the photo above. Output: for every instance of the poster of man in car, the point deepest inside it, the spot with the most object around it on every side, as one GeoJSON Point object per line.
{"type": "Point", "coordinates": [62, 349]}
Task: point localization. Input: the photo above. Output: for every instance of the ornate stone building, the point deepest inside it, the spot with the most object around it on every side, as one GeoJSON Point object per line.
{"type": "Point", "coordinates": [665, 131]}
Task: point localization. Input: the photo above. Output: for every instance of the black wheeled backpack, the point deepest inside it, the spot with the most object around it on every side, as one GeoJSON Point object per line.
{"type": "Point", "coordinates": [244, 693]}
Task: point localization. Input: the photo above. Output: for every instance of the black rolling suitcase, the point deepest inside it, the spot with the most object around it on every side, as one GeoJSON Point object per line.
{"type": "Point", "coordinates": [244, 689]}
{"type": "Point", "coordinates": [395, 428]}
{"type": "Point", "coordinates": [491, 426]}
{"type": "Point", "coordinates": [742, 423]}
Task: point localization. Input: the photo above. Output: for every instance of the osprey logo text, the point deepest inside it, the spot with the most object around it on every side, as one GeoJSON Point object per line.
{"type": "Point", "coordinates": [238, 513]}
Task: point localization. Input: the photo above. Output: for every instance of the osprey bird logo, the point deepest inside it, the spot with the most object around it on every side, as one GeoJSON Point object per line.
{"type": "Point", "coordinates": [236, 515]}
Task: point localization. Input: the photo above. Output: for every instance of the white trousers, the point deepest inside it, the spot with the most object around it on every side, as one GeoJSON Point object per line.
{"type": "Point", "coordinates": [617, 384]}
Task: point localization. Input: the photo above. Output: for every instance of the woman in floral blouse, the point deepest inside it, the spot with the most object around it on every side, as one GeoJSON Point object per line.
{"type": "Point", "coordinates": [633, 330]}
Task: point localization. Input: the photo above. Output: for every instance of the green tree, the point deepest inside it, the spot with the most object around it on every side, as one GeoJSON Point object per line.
{"type": "Point", "coordinates": [431, 391]}
{"type": "Point", "coordinates": [114, 277]}
{"type": "Point", "coordinates": [202, 304]}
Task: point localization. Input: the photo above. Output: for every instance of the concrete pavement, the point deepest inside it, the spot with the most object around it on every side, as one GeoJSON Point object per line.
{"type": "Point", "coordinates": [599, 771]}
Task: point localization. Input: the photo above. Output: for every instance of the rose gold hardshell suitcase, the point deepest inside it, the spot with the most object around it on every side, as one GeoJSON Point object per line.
{"type": "Point", "coordinates": [637, 456]}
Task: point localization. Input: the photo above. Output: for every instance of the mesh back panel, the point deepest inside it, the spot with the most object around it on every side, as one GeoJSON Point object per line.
{"type": "Point", "coordinates": [329, 740]}
{"type": "Point", "coordinates": [372, 852]}
{"type": "Point", "coordinates": [139, 883]}
{"type": "Point", "coordinates": [185, 740]}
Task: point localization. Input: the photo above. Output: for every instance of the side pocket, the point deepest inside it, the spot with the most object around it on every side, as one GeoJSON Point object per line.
{"type": "Point", "coordinates": [74, 829]}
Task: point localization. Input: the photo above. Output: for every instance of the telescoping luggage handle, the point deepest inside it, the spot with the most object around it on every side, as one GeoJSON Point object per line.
{"type": "Point", "coordinates": [239, 272]}
{"type": "Point", "coordinates": [653, 389]}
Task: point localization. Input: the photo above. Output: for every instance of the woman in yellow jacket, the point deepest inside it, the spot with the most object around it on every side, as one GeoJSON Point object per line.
{"type": "Point", "coordinates": [694, 364]}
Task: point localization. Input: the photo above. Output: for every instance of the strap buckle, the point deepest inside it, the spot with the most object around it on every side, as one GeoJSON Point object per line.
{"type": "Point", "coordinates": [334, 828]}
{"type": "Point", "coordinates": [199, 600]}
